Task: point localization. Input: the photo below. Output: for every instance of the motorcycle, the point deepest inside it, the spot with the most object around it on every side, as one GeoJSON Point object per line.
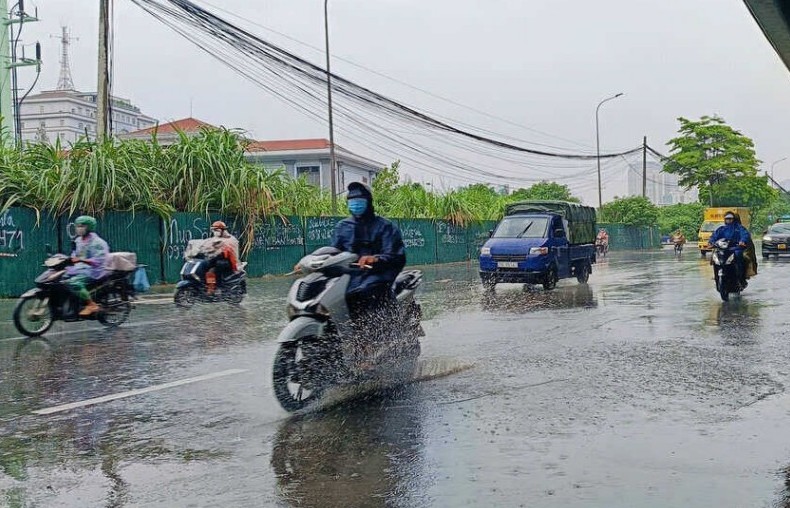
{"type": "Point", "coordinates": [724, 270]}
{"type": "Point", "coordinates": [193, 286]}
{"type": "Point", "coordinates": [319, 348]}
{"type": "Point", "coordinates": [679, 246]}
{"type": "Point", "coordinates": [601, 248]}
{"type": "Point", "coordinates": [52, 300]}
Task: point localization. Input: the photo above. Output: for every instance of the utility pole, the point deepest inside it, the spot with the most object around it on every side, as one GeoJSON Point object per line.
{"type": "Point", "coordinates": [6, 113]}
{"type": "Point", "coordinates": [9, 106]}
{"type": "Point", "coordinates": [644, 167]}
{"type": "Point", "coordinates": [332, 155]}
{"type": "Point", "coordinates": [102, 93]}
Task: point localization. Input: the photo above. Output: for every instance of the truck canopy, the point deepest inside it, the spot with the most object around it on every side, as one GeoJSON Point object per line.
{"type": "Point", "coordinates": [581, 219]}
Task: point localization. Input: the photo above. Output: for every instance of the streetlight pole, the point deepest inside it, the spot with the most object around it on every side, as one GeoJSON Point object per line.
{"type": "Point", "coordinates": [332, 156]}
{"type": "Point", "coordinates": [774, 164]}
{"type": "Point", "coordinates": [598, 147]}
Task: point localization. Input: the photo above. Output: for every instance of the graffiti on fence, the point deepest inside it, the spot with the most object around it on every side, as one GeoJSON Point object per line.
{"type": "Point", "coordinates": [412, 237]}
{"type": "Point", "coordinates": [12, 239]}
{"type": "Point", "coordinates": [320, 229]}
{"type": "Point", "coordinates": [179, 235]}
{"type": "Point", "coordinates": [275, 235]}
{"type": "Point", "coordinates": [450, 233]}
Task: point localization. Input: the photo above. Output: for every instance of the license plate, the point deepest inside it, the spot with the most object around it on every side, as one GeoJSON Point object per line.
{"type": "Point", "coordinates": [507, 264]}
{"type": "Point", "coordinates": [782, 246]}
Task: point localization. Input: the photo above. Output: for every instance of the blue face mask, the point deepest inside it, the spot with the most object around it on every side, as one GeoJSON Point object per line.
{"type": "Point", "coordinates": [357, 206]}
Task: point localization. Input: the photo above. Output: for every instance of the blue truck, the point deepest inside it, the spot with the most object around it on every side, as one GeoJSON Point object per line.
{"type": "Point", "coordinates": [540, 242]}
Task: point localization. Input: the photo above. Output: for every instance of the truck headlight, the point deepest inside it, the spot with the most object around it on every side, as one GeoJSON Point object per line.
{"type": "Point", "coordinates": [539, 251]}
{"type": "Point", "coordinates": [767, 238]}
{"type": "Point", "coordinates": [485, 251]}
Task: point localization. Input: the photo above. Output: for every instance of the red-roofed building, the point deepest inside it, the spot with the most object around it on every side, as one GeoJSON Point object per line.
{"type": "Point", "coordinates": [297, 157]}
{"type": "Point", "coordinates": [167, 133]}
{"type": "Point", "coordinates": [310, 158]}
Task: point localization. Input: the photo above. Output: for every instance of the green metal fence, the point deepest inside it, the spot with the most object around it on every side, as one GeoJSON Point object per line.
{"type": "Point", "coordinates": [623, 237]}
{"type": "Point", "coordinates": [277, 245]}
{"type": "Point", "coordinates": [24, 241]}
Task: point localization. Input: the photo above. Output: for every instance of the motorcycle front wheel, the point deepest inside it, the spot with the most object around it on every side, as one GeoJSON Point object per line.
{"type": "Point", "coordinates": [33, 315]}
{"type": "Point", "coordinates": [292, 390]}
{"type": "Point", "coordinates": [185, 297]}
{"type": "Point", "coordinates": [721, 287]}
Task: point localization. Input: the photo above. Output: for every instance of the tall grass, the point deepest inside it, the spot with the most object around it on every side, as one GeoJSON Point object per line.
{"type": "Point", "coordinates": [202, 173]}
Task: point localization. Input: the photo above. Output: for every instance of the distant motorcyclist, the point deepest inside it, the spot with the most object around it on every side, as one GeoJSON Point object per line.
{"type": "Point", "coordinates": [88, 258]}
{"type": "Point", "coordinates": [382, 253]}
{"type": "Point", "coordinates": [222, 251]}
{"type": "Point", "coordinates": [678, 238]}
{"type": "Point", "coordinates": [602, 241]}
{"type": "Point", "coordinates": [739, 238]}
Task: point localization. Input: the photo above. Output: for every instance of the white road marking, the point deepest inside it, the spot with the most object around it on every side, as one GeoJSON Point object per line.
{"type": "Point", "coordinates": [132, 393]}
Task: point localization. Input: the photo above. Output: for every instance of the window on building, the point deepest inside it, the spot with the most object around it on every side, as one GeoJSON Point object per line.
{"type": "Point", "coordinates": [42, 123]}
{"type": "Point", "coordinates": [23, 125]}
{"type": "Point", "coordinates": [311, 173]}
{"type": "Point", "coordinates": [82, 126]}
{"type": "Point", "coordinates": [62, 122]}
{"type": "Point", "coordinates": [73, 110]}
{"type": "Point", "coordinates": [41, 109]}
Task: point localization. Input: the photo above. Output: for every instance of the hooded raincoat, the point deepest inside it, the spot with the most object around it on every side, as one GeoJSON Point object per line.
{"type": "Point", "coordinates": [371, 235]}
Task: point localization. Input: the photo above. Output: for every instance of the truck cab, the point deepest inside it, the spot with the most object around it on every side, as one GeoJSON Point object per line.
{"type": "Point", "coordinates": [532, 245]}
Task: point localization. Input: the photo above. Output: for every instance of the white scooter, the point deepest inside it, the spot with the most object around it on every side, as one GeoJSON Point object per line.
{"type": "Point", "coordinates": [319, 347]}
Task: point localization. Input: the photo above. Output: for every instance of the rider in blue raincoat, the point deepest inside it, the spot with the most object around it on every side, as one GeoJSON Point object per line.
{"type": "Point", "coordinates": [382, 253]}
{"type": "Point", "coordinates": [739, 238]}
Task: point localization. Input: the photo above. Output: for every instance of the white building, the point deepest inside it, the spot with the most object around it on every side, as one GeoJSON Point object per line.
{"type": "Point", "coordinates": [311, 158]}
{"type": "Point", "coordinates": [69, 115]}
{"type": "Point", "coordinates": [662, 188]}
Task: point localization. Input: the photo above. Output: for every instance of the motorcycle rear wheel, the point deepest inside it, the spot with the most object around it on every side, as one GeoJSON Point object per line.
{"type": "Point", "coordinates": [38, 304]}
{"type": "Point", "coordinates": [115, 308]}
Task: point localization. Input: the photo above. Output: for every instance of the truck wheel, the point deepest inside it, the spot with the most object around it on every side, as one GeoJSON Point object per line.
{"type": "Point", "coordinates": [583, 273]}
{"type": "Point", "coordinates": [551, 279]}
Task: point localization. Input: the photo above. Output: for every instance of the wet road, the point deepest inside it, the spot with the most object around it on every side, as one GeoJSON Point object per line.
{"type": "Point", "coordinates": [639, 389]}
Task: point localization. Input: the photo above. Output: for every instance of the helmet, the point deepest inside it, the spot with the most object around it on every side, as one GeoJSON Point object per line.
{"type": "Point", "coordinates": [87, 221]}
{"type": "Point", "coordinates": [729, 215]}
{"type": "Point", "coordinates": [359, 190]}
{"type": "Point", "coordinates": [218, 225]}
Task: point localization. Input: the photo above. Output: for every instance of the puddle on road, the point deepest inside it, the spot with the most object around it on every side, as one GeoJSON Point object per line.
{"type": "Point", "coordinates": [426, 370]}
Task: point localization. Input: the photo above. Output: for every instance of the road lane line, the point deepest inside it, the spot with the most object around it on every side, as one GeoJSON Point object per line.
{"type": "Point", "coordinates": [132, 393]}
{"type": "Point", "coordinates": [126, 326]}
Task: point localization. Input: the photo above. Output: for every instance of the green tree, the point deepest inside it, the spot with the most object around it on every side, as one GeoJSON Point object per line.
{"type": "Point", "coordinates": [684, 216]}
{"type": "Point", "coordinates": [631, 211]}
{"type": "Point", "coordinates": [709, 152]}
{"type": "Point", "coordinates": [751, 191]}
{"type": "Point", "coordinates": [545, 190]}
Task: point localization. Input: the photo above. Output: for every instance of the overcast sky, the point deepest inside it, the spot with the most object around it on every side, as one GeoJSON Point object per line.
{"type": "Point", "coordinates": [543, 64]}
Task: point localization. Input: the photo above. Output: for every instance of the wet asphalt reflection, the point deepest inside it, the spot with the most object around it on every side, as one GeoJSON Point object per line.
{"type": "Point", "coordinates": [640, 388]}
